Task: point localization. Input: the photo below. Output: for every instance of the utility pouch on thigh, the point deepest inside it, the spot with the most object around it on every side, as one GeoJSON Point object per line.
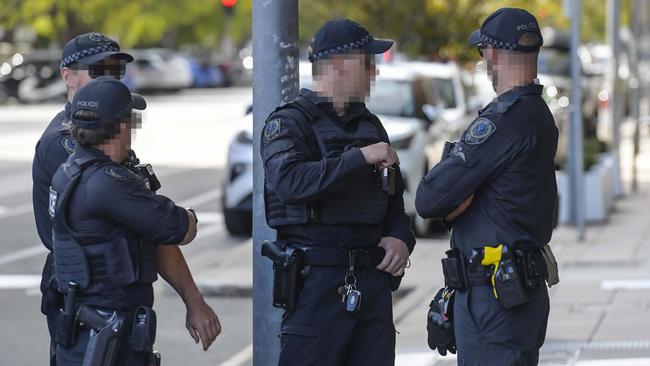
{"type": "Point", "coordinates": [455, 270]}
{"type": "Point", "coordinates": [143, 331]}
{"type": "Point", "coordinates": [288, 264]}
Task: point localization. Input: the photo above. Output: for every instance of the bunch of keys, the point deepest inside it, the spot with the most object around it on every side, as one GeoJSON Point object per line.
{"type": "Point", "coordinates": [443, 304]}
{"type": "Point", "coordinates": [350, 296]}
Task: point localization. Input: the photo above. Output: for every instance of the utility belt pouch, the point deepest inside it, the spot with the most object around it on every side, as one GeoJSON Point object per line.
{"type": "Point", "coordinates": [288, 264]}
{"type": "Point", "coordinates": [52, 299]}
{"type": "Point", "coordinates": [66, 321]}
{"type": "Point", "coordinates": [508, 282]}
{"type": "Point", "coordinates": [143, 331]}
{"type": "Point", "coordinates": [455, 270]}
{"type": "Point", "coordinates": [532, 268]}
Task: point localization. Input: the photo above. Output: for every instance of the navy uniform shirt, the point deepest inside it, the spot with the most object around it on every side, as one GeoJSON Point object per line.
{"type": "Point", "coordinates": [110, 199]}
{"type": "Point", "coordinates": [52, 150]}
{"type": "Point", "coordinates": [293, 165]}
{"type": "Point", "coordinates": [505, 158]}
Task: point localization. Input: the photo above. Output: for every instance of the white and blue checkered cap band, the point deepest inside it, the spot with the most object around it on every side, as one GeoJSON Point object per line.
{"type": "Point", "coordinates": [87, 53]}
{"type": "Point", "coordinates": [342, 48]}
{"type": "Point", "coordinates": [497, 44]}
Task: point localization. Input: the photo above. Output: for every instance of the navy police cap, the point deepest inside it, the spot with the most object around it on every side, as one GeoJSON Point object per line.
{"type": "Point", "coordinates": [110, 99]}
{"type": "Point", "coordinates": [503, 29]}
{"type": "Point", "coordinates": [343, 35]}
{"type": "Point", "coordinates": [89, 48]}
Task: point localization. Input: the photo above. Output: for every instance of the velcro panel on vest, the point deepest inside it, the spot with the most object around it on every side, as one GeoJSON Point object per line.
{"type": "Point", "coordinates": [96, 267]}
{"type": "Point", "coordinates": [110, 264]}
{"type": "Point", "coordinates": [70, 263]}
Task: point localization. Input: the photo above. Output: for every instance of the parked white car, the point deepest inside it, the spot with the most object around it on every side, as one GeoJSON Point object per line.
{"type": "Point", "coordinates": [401, 100]}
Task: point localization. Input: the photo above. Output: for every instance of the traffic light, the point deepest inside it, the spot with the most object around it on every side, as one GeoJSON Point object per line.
{"type": "Point", "coordinates": [228, 6]}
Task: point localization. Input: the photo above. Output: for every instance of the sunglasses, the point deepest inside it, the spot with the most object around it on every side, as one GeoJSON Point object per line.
{"type": "Point", "coordinates": [480, 47]}
{"type": "Point", "coordinates": [96, 70]}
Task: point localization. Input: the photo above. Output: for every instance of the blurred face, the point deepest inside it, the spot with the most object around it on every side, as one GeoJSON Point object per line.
{"type": "Point", "coordinates": [350, 75]}
{"type": "Point", "coordinates": [119, 145]}
{"type": "Point", "coordinates": [489, 55]}
{"type": "Point", "coordinates": [77, 75]}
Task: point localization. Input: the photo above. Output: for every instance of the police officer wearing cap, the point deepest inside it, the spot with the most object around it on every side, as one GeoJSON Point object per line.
{"type": "Point", "coordinates": [85, 58]}
{"type": "Point", "coordinates": [496, 187]}
{"type": "Point", "coordinates": [333, 192]}
{"type": "Point", "coordinates": [106, 226]}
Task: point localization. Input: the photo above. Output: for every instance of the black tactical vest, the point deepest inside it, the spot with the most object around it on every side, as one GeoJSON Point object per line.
{"type": "Point", "coordinates": [116, 262]}
{"type": "Point", "coordinates": [360, 201]}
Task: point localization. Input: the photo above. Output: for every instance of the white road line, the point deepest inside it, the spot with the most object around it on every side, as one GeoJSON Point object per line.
{"type": "Point", "coordinates": [641, 284]}
{"type": "Point", "coordinates": [15, 211]}
{"type": "Point", "coordinates": [241, 357]}
{"type": "Point", "coordinates": [202, 198]}
{"type": "Point", "coordinates": [13, 282]}
{"type": "Point", "coordinates": [617, 362]}
{"type": "Point", "coordinates": [22, 254]}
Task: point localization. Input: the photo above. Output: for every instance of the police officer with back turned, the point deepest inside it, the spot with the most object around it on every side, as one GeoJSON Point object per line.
{"type": "Point", "coordinates": [333, 191]}
{"type": "Point", "coordinates": [106, 226]}
{"type": "Point", "coordinates": [496, 187]}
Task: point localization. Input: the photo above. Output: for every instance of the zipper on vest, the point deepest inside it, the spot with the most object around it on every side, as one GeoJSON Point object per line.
{"type": "Point", "coordinates": [311, 214]}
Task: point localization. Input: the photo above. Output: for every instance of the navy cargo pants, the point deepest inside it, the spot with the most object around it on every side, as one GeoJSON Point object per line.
{"type": "Point", "coordinates": [321, 332]}
{"type": "Point", "coordinates": [489, 335]}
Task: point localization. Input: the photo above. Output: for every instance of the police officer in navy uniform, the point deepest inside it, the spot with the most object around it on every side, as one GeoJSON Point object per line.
{"type": "Point", "coordinates": [84, 58]}
{"type": "Point", "coordinates": [106, 226]}
{"type": "Point", "coordinates": [496, 187]}
{"type": "Point", "coordinates": [325, 155]}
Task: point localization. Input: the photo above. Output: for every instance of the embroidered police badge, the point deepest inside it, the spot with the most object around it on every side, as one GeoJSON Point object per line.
{"type": "Point", "coordinates": [68, 144]}
{"type": "Point", "coordinates": [272, 130]}
{"type": "Point", "coordinates": [118, 173]}
{"type": "Point", "coordinates": [479, 131]}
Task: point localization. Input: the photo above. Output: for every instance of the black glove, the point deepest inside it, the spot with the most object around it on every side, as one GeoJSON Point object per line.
{"type": "Point", "coordinates": [440, 328]}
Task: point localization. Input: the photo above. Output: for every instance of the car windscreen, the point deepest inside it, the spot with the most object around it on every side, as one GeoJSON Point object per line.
{"type": "Point", "coordinates": [391, 98]}
{"type": "Point", "coordinates": [445, 89]}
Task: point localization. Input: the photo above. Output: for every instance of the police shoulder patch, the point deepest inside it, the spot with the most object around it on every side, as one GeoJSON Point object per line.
{"type": "Point", "coordinates": [118, 173]}
{"type": "Point", "coordinates": [272, 130]}
{"type": "Point", "coordinates": [68, 144]}
{"type": "Point", "coordinates": [480, 131]}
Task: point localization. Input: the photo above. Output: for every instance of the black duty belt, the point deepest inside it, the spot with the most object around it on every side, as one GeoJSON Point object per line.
{"type": "Point", "coordinates": [340, 257]}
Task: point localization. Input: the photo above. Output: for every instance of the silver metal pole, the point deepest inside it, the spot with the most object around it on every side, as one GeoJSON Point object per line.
{"type": "Point", "coordinates": [636, 88]}
{"type": "Point", "coordinates": [275, 80]}
{"type": "Point", "coordinates": [613, 29]}
{"type": "Point", "coordinates": [576, 168]}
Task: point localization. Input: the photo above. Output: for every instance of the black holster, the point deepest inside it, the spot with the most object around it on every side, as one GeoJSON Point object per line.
{"type": "Point", "coordinates": [454, 269]}
{"type": "Point", "coordinates": [107, 329]}
{"type": "Point", "coordinates": [288, 273]}
{"type": "Point", "coordinates": [143, 331]}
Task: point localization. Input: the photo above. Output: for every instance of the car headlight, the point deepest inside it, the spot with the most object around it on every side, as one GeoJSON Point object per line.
{"type": "Point", "coordinates": [402, 143]}
{"type": "Point", "coordinates": [244, 137]}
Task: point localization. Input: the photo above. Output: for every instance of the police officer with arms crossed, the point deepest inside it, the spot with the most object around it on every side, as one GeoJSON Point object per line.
{"type": "Point", "coordinates": [86, 57]}
{"type": "Point", "coordinates": [496, 187]}
{"type": "Point", "coordinates": [106, 227]}
{"type": "Point", "coordinates": [333, 191]}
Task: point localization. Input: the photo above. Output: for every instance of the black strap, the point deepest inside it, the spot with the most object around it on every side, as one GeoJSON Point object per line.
{"type": "Point", "coordinates": [73, 170]}
{"type": "Point", "coordinates": [338, 257]}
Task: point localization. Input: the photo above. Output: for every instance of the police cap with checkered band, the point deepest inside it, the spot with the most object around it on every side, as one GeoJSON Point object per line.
{"type": "Point", "coordinates": [344, 35]}
{"type": "Point", "coordinates": [89, 48]}
{"type": "Point", "coordinates": [504, 28]}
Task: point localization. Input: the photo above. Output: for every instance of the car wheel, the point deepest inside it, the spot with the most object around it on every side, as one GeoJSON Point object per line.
{"type": "Point", "coordinates": [238, 222]}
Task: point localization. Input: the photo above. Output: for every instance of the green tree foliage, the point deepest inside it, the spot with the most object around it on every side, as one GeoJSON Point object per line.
{"type": "Point", "coordinates": [430, 28]}
{"type": "Point", "coordinates": [140, 23]}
